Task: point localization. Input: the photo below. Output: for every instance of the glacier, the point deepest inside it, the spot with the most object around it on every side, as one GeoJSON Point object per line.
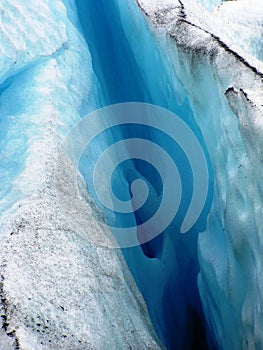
{"type": "Point", "coordinates": [61, 288]}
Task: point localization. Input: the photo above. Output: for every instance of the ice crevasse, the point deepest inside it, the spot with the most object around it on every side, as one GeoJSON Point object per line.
{"type": "Point", "coordinates": [60, 61]}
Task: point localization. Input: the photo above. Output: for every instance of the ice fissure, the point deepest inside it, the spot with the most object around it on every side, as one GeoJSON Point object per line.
{"type": "Point", "coordinates": [165, 268]}
{"type": "Point", "coordinates": [194, 80]}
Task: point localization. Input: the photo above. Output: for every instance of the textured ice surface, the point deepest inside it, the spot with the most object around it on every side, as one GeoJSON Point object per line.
{"type": "Point", "coordinates": [58, 291]}
{"type": "Point", "coordinates": [226, 96]}
{"type": "Point", "coordinates": [239, 24]}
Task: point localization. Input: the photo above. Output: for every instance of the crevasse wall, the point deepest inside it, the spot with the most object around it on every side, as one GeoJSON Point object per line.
{"type": "Point", "coordinates": [225, 90]}
{"type": "Point", "coordinates": [58, 290]}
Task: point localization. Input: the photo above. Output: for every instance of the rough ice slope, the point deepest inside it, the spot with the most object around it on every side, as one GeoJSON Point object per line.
{"type": "Point", "coordinates": [58, 291]}
{"type": "Point", "coordinates": [239, 24]}
{"type": "Point", "coordinates": [226, 94]}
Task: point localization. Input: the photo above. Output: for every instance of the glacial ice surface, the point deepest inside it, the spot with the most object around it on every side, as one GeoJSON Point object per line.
{"type": "Point", "coordinates": [60, 61]}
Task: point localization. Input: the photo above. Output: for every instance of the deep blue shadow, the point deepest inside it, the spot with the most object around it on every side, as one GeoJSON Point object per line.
{"type": "Point", "coordinates": [165, 268]}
